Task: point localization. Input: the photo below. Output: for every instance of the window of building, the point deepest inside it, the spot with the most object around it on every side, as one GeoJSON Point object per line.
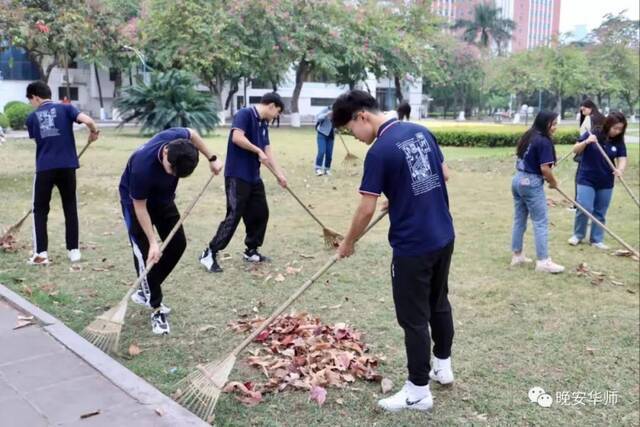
{"type": "Point", "coordinates": [16, 65]}
{"type": "Point", "coordinates": [62, 92]}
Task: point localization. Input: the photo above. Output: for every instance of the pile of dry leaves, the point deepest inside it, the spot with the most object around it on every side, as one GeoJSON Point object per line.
{"type": "Point", "coordinates": [300, 352]}
{"type": "Point", "coordinates": [9, 243]}
{"type": "Point", "coordinates": [597, 277]}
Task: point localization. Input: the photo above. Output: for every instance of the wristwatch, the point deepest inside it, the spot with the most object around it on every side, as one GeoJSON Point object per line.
{"type": "Point", "coordinates": [213, 158]}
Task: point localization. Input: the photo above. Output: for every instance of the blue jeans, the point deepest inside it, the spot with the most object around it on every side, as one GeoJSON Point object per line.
{"type": "Point", "coordinates": [325, 152]}
{"type": "Point", "coordinates": [529, 199]}
{"type": "Point", "coordinates": [596, 202]}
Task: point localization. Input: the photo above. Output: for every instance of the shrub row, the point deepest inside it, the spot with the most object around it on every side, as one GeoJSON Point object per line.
{"type": "Point", "coordinates": [502, 138]}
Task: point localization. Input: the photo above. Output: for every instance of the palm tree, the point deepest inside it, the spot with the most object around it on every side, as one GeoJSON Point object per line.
{"type": "Point", "coordinates": [487, 26]}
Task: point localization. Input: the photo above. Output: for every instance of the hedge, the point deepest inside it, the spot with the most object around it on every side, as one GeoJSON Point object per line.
{"type": "Point", "coordinates": [17, 115]}
{"type": "Point", "coordinates": [501, 138]}
{"type": "Point", "coordinates": [9, 104]}
{"type": "Point", "coordinates": [4, 122]}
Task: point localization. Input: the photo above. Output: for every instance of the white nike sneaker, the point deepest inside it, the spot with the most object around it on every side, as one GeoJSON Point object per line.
{"type": "Point", "coordinates": [600, 245]}
{"type": "Point", "coordinates": [574, 241]}
{"type": "Point", "coordinates": [519, 260]}
{"type": "Point", "coordinates": [74, 255]}
{"type": "Point", "coordinates": [410, 396]}
{"type": "Point", "coordinates": [548, 266]}
{"type": "Point", "coordinates": [39, 259]}
{"type": "Point", "coordinates": [441, 371]}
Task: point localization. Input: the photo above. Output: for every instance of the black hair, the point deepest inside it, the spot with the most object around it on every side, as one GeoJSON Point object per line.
{"type": "Point", "coordinates": [611, 120]}
{"type": "Point", "coordinates": [38, 88]}
{"type": "Point", "coordinates": [272, 98]}
{"type": "Point", "coordinates": [404, 110]}
{"type": "Point", "coordinates": [597, 119]}
{"type": "Point", "coordinates": [541, 125]}
{"type": "Point", "coordinates": [183, 157]}
{"type": "Point", "coordinates": [349, 104]}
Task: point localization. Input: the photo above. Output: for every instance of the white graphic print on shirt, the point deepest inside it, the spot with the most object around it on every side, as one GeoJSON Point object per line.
{"type": "Point", "coordinates": [47, 123]}
{"type": "Point", "coordinates": [416, 151]}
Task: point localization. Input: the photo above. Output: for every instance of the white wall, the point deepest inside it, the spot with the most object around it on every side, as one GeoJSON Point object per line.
{"type": "Point", "coordinates": [13, 90]}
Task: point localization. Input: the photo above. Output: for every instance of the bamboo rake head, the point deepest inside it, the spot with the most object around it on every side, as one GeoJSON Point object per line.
{"type": "Point", "coordinates": [332, 238]}
{"type": "Point", "coordinates": [104, 332]}
{"type": "Point", "coordinates": [199, 391]}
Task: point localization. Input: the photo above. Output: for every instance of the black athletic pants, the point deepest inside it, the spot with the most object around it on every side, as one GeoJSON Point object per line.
{"type": "Point", "coordinates": [246, 201]}
{"type": "Point", "coordinates": [65, 180]}
{"type": "Point", "coordinates": [163, 218]}
{"type": "Point", "coordinates": [420, 289]}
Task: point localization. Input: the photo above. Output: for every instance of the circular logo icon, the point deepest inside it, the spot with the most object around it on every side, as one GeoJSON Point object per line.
{"type": "Point", "coordinates": [535, 393]}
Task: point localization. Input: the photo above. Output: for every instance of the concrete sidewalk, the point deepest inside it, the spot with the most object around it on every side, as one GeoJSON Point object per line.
{"type": "Point", "coordinates": [50, 376]}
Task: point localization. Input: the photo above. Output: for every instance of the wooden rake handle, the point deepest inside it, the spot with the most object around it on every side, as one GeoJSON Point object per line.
{"type": "Point", "coordinates": [288, 188]}
{"type": "Point", "coordinates": [299, 292]}
{"type": "Point", "coordinates": [343, 143]}
{"type": "Point", "coordinates": [565, 157]}
{"type": "Point", "coordinates": [613, 167]}
{"type": "Point", "coordinates": [166, 241]}
{"type": "Point", "coordinates": [595, 220]}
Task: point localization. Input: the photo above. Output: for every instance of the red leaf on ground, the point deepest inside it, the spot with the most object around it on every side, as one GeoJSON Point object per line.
{"type": "Point", "coordinates": [262, 336]}
{"type": "Point", "coordinates": [319, 394]}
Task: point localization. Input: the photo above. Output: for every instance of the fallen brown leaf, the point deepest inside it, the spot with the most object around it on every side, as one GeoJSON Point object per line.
{"type": "Point", "coordinates": [23, 324]}
{"type": "Point", "coordinates": [319, 394]}
{"type": "Point", "coordinates": [134, 350]}
{"type": "Point", "coordinates": [279, 278]}
{"type": "Point", "coordinates": [386, 385]}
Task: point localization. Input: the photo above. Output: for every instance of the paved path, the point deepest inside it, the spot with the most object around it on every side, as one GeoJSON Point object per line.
{"type": "Point", "coordinates": [50, 376]}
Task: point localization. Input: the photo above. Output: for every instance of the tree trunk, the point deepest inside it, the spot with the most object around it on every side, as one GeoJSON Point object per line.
{"type": "Point", "coordinates": [396, 81]}
{"type": "Point", "coordinates": [302, 71]}
{"type": "Point", "coordinates": [66, 73]}
{"type": "Point", "coordinates": [559, 105]}
{"type": "Point", "coordinates": [117, 84]}
{"type": "Point", "coordinates": [232, 91]}
{"type": "Point", "coordinates": [95, 68]}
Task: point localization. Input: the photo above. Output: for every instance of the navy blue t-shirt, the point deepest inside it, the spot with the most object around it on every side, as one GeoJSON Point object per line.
{"type": "Point", "coordinates": [405, 163]}
{"type": "Point", "coordinates": [539, 152]}
{"type": "Point", "coordinates": [51, 125]}
{"type": "Point", "coordinates": [594, 170]}
{"type": "Point", "coordinates": [145, 177]}
{"type": "Point", "coordinates": [242, 163]}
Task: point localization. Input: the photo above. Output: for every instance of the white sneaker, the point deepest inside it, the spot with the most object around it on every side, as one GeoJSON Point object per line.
{"type": "Point", "coordinates": [574, 241]}
{"type": "Point", "coordinates": [519, 259]}
{"type": "Point", "coordinates": [319, 172]}
{"type": "Point", "coordinates": [548, 266]}
{"type": "Point", "coordinates": [441, 371]}
{"type": "Point", "coordinates": [74, 255]}
{"type": "Point", "coordinates": [410, 396]}
{"type": "Point", "coordinates": [600, 245]}
{"type": "Point", "coordinates": [39, 259]}
{"type": "Point", "coordinates": [327, 172]}
{"type": "Point", "coordinates": [140, 298]}
{"type": "Point", "coordinates": [159, 323]}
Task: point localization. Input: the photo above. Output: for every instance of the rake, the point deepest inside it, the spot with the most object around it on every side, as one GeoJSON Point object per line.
{"type": "Point", "coordinates": [350, 157]}
{"type": "Point", "coordinates": [203, 386]}
{"type": "Point", "coordinates": [104, 332]}
{"type": "Point", "coordinates": [613, 167]}
{"type": "Point", "coordinates": [11, 232]}
{"type": "Point", "coordinates": [332, 238]}
{"type": "Point", "coordinates": [595, 220]}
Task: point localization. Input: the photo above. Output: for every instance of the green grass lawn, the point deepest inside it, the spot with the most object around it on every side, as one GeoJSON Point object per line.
{"type": "Point", "coordinates": [515, 329]}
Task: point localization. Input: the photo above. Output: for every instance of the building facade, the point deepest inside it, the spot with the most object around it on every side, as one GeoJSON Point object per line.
{"type": "Point", "coordinates": [537, 21]}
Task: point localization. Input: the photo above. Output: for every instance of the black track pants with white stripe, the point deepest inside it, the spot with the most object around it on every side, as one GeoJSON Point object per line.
{"type": "Point", "coordinates": [44, 181]}
{"type": "Point", "coordinates": [246, 201]}
{"type": "Point", "coordinates": [163, 218]}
